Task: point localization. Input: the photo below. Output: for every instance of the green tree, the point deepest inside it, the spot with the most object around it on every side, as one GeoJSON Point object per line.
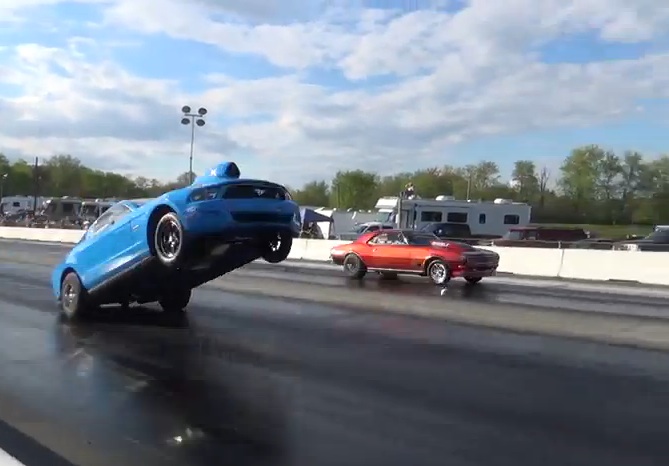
{"type": "Point", "coordinates": [314, 193]}
{"type": "Point", "coordinates": [580, 176]}
{"type": "Point", "coordinates": [526, 180]}
{"type": "Point", "coordinates": [355, 189]}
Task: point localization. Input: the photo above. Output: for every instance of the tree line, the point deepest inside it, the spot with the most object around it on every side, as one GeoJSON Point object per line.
{"type": "Point", "coordinates": [593, 185]}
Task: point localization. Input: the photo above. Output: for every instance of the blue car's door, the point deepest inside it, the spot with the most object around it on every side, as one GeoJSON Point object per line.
{"type": "Point", "coordinates": [108, 251]}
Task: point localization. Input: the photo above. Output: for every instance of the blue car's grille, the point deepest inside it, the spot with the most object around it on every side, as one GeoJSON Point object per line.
{"type": "Point", "coordinates": [260, 217]}
{"type": "Point", "coordinates": [254, 191]}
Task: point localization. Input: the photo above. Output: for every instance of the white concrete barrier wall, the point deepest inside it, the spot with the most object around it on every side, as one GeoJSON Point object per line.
{"type": "Point", "coordinates": [643, 267]}
{"type": "Point", "coordinates": [41, 234]}
{"type": "Point", "coordinates": [536, 262]}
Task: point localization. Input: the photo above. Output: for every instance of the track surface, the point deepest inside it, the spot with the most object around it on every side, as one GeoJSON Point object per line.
{"type": "Point", "coordinates": [251, 380]}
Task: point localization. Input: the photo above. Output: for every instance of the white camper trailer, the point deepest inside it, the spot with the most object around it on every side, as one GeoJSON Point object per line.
{"type": "Point", "coordinates": [10, 205]}
{"type": "Point", "coordinates": [483, 218]}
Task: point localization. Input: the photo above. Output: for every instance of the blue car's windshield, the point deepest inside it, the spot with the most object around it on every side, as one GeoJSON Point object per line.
{"type": "Point", "coordinates": [136, 203]}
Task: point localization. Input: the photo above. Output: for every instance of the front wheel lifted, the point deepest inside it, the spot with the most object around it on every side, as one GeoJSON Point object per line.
{"type": "Point", "coordinates": [277, 248]}
{"type": "Point", "coordinates": [73, 297]}
{"type": "Point", "coordinates": [168, 240]}
{"type": "Point", "coordinates": [175, 301]}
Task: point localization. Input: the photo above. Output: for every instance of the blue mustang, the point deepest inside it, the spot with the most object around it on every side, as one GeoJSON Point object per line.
{"type": "Point", "coordinates": [143, 251]}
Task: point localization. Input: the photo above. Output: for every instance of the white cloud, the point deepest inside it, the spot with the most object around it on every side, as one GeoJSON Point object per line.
{"type": "Point", "coordinates": [455, 75]}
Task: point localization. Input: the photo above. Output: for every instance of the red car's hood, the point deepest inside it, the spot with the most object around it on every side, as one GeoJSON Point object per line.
{"type": "Point", "coordinates": [452, 245]}
{"type": "Point", "coordinates": [461, 248]}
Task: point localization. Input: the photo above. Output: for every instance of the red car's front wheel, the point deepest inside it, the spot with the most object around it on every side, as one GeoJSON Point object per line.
{"type": "Point", "coordinates": [354, 267]}
{"type": "Point", "coordinates": [438, 272]}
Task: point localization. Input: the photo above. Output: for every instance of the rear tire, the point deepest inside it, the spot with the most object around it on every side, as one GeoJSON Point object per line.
{"type": "Point", "coordinates": [74, 301]}
{"type": "Point", "coordinates": [175, 301]}
{"type": "Point", "coordinates": [473, 280]}
{"type": "Point", "coordinates": [438, 272]}
{"type": "Point", "coordinates": [168, 240]}
{"type": "Point", "coordinates": [277, 249]}
{"type": "Point", "coordinates": [354, 268]}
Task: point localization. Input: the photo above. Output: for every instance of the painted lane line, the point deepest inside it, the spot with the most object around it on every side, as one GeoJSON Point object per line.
{"type": "Point", "coordinates": [8, 460]}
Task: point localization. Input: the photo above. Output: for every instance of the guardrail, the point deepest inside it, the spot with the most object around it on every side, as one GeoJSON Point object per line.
{"type": "Point", "coordinates": [650, 268]}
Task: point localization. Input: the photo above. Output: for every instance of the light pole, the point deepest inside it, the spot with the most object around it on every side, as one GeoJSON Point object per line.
{"type": "Point", "coordinates": [192, 119]}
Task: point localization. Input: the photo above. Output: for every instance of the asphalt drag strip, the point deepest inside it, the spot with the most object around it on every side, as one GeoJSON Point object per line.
{"type": "Point", "coordinates": [628, 319]}
{"type": "Point", "coordinates": [254, 380]}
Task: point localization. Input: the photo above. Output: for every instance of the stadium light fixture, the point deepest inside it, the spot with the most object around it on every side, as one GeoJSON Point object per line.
{"type": "Point", "coordinates": [192, 119]}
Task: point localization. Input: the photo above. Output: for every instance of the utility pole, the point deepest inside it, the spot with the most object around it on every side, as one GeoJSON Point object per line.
{"type": "Point", "coordinates": [192, 119]}
{"type": "Point", "coordinates": [36, 179]}
{"type": "Point", "coordinates": [3, 178]}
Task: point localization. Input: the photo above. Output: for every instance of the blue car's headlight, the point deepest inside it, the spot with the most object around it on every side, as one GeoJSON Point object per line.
{"type": "Point", "coordinates": [297, 219]}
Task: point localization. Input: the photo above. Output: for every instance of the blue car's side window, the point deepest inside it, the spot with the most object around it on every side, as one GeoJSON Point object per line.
{"type": "Point", "coordinates": [111, 216]}
{"type": "Point", "coordinates": [118, 212]}
{"type": "Point", "coordinates": [101, 223]}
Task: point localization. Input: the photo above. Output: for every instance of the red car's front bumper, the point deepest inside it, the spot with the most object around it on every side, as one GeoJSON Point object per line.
{"type": "Point", "coordinates": [464, 271]}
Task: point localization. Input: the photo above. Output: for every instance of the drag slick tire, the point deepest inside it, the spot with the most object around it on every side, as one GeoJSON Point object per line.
{"type": "Point", "coordinates": [74, 301]}
{"type": "Point", "coordinates": [277, 248]}
{"type": "Point", "coordinates": [175, 301]}
{"type": "Point", "coordinates": [168, 240]}
{"type": "Point", "coordinates": [438, 272]}
{"type": "Point", "coordinates": [354, 268]}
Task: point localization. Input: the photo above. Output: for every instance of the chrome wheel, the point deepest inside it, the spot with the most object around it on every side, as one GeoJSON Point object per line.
{"type": "Point", "coordinates": [69, 295]}
{"type": "Point", "coordinates": [168, 238]}
{"type": "Point", "coordinates": [438, 272]}
{"type": "Point", "coordinates": [275, 243]}
{"type": "Point", "coordinates": [276, 247]}
{"type": "Point", "coordinates": [354, 267]}
{"type": "Point", "coordinates": [73, 300]}
{"type": "Point", "coordinates": [351, 266]}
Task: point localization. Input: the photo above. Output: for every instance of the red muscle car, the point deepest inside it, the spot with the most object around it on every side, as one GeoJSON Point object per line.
{"type": "Point", "coordinates": [393, 252]}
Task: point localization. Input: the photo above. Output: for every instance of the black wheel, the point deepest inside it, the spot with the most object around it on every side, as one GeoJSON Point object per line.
{"type": "Point", "coordinates": [473, 280]}
{"type": "Point", "coordinates": [277, 248]}
{"type": "Point", "coordinates": [168, 240]}
{"type": "Point", "coordinates": [438, 272]}
{"type": "Point", "coordinates": [73, 297]}
{"type": "Point", "coordinates": [388, 275]}
{"type": "Point", "coordinates": [354, 267]}
{"type": "Point", "coordinates": [175, 301]}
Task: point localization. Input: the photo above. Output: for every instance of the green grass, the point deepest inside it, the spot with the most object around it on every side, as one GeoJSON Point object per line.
{"type": "Point", "coordinates": [608, 231]}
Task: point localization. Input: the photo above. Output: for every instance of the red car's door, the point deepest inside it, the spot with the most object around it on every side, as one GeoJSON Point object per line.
{"type": "Point", "coordinates": [388, 251]}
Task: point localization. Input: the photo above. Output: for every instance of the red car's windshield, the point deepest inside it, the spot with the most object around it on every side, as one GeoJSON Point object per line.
{"type": "Point", "coordinates": [420, 239]}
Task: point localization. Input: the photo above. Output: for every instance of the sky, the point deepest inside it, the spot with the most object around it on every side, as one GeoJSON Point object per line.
{"type": "Point", "coordinates": [299, 89]}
